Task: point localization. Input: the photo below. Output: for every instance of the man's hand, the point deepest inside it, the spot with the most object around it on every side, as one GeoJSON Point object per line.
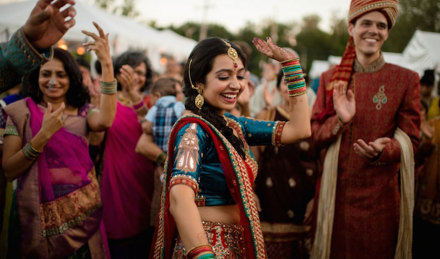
{"type": "Point", "coordinates": [46, 24]}
{"type": "Point", "coordinates": [371, 149]}
{"type": "Point", "coordinates": [344, 102]}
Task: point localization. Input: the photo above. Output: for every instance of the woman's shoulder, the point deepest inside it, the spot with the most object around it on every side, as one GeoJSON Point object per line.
{"type": "Point", "coordinates": [191, 127]}
{"type": "Point", "coordinates": [17, 108]}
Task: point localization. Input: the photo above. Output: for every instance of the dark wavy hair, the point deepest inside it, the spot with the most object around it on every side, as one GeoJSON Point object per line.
{"type": "Point", "coordinates": [428, 78]}
{"type": "Point", "coordinates": [202, 59]}
{"type": "Point", "coordinates": [76, 96]}
{"type": "Point", "coordinates": [134, 59]}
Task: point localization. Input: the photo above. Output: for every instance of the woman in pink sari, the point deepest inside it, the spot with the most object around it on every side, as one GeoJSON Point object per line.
{"type": "Point", "coordinates": [127, 177]}
{"type": "Point", "coordinates": [57, 205]}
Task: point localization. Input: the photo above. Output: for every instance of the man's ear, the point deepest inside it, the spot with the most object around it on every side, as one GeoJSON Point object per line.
{"type": "Point", "coordinates": [350, 29]}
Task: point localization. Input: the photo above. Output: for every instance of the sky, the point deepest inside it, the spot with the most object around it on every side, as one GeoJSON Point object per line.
{"type": "Point", "coordinates": [233, 14]}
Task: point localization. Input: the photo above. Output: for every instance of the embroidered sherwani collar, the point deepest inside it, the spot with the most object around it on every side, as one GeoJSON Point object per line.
{"type": "Point", "coordinates": [373, 67]}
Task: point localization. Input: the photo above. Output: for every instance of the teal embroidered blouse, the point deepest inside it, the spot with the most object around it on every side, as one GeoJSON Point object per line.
{"type": "Point", "coordinates": [208, 172]}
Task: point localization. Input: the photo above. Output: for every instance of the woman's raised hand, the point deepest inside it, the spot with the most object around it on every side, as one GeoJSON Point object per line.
{"type": "Point", "coordinates": [271, 50]}
{"type": "Point", "coordinates": [99, 45]}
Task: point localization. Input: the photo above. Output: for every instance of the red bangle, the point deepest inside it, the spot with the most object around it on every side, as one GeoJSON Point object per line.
{"type": "Point", "coordinates": [186, 180]}
{"type": "Point", "coordinates": [276, 137]}
{"type": "Point", "coordinates": [198, 251]}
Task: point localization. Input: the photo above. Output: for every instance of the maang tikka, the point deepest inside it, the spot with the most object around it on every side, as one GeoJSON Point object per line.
{"type": "Point", "coordinates": [199, 101]}
{"type": "Point", "coordinates": [232, 53]}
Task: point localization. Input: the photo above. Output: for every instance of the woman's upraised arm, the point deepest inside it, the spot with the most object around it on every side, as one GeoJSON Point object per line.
{"type": "Point", "coordinates": [103, 118]}
{"type": "Point", "coordinates": [298, 127]}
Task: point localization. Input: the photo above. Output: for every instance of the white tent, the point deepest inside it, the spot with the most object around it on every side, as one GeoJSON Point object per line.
{"type": "Point", "coordinates": [423, 52]}
{"type": "Point", "coordinates": [125, 33]}
{"type": "Point", "coordinates": [318, 67]}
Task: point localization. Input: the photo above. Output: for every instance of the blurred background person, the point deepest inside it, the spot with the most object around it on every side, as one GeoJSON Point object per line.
{"type": "Point", "coordinates": [127, 177]}
{"type": "Point", "coordinates": [426, 87]}
{"type": "Point", "coordinates": [427, 198]}
{"type": "Point", "coordinates": [159, 121]}
{"type": "Point", "coordinates": [283, 197]}
{"type": "Point", "coordinates": [173, 69]}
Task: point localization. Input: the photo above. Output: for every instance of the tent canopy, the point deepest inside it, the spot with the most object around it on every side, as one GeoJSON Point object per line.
{"type": "Point", "coordinates": [125, 33]}
{"type": "Point", "coordinates": [423, 52]}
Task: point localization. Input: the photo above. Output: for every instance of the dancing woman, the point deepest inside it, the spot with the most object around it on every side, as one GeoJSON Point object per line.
{"type": "Point", "coordinates": [58, 209]}
{"type": "Point", "coordinates": [210, 169]}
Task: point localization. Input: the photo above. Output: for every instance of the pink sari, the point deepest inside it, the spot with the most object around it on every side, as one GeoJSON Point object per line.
{"type": "Point", "coordinates": [127, 178]}
{"type": "Point", "coordinates": [58, 199]}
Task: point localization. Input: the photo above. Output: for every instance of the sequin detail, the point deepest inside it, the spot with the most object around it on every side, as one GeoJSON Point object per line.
{"type": "Point", "coordinates": [227, 241]}
{"type": "Point", "coordinates": [188, 156]}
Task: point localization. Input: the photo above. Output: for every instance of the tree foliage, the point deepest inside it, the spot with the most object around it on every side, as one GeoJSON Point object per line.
{"type": "Point", "coordinates": [413, 15]}
{"type": "Point", "coordinates": [126, 8]}
{"type": "Point", "coordinates": [307, 38]}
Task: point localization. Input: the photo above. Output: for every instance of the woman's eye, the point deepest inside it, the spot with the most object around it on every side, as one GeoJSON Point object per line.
{"type": "Point", "coordinates": [223, 78]}
{"type": "Point", "coordinates": [240, 77]}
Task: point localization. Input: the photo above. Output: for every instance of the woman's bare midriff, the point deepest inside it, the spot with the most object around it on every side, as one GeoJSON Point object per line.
{"type": "Point", "coordinates": [228, 214]}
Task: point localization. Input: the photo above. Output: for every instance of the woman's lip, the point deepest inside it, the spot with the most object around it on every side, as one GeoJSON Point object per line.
{"type": "Point", "coordinates": [229, 100]}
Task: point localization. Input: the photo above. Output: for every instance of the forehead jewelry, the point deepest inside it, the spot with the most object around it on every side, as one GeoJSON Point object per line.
{"type": "Point", "coordinates": [232, 53]}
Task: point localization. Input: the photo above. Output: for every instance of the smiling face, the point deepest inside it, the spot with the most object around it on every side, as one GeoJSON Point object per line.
{"type": "Point", "coordinates": [140, 75]}
{"type": "Point", "coordinates": [224, 83]}
{"type": "Point", "coordinates": [53, 81]}
{"type": "Point", "coordinates": [369, 33]}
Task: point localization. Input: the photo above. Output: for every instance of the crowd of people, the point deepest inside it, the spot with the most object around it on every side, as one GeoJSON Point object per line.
{"type": "Point", "coordinates": [210, 161]}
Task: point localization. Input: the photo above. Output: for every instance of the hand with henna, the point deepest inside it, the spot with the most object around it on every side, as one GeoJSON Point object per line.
{"type": "Point", "coordinates": [271, 50]}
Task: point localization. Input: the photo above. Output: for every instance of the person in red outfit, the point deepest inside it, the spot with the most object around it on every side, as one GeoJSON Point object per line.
{"type": "Point", "coordinates": [366, 120]}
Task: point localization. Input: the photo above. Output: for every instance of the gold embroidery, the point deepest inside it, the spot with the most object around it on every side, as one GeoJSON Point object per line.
{"type": "Point", "coordinates": [380, 98]}
{"type": "Point", "coordinates": [70, 210]}
{"type": "Point", "coordinates": [188, 155]}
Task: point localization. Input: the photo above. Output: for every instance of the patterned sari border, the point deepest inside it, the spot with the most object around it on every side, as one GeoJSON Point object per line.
{"type": "Point", "coordinates": [70, 210]}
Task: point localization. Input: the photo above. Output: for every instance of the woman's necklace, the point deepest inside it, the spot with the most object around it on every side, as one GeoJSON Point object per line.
{"type": "Point", "coordinates": [124, 100]}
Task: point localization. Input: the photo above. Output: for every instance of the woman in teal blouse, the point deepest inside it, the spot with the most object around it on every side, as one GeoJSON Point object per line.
{"type": "Point", "coordinates": [208, 195]}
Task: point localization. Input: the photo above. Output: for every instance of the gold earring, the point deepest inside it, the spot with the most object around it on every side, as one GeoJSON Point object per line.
{"type": "Point", "coordinates": [199, 101]}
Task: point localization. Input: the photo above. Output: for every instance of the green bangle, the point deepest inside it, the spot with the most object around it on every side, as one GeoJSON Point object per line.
{"type": "Point", "coordinates": [109, 87]}
{"type": "Point", "coordinates": [30, 152]}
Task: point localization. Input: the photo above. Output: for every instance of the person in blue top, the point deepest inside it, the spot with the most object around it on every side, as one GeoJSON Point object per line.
{"type": "Point", "coordinates": [207, 206]}
{"type": "Point", "coordinates": [165, 111]}
{"type": "Point", "coordinates": [30, 46]}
